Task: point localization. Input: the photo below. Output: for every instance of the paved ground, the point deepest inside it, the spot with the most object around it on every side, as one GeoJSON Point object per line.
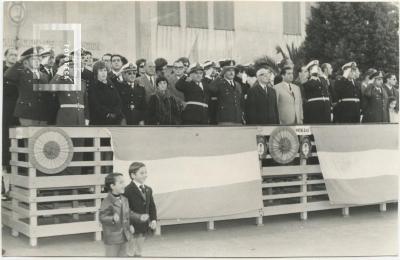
{"type": "Point", "coordinates": [326, 233]}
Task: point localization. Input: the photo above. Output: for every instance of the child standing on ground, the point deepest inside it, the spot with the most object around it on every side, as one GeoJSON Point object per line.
{"type": "Point", "coordinates": [115, 217]}
{"type": "Point", "coordinates": [142, 204]}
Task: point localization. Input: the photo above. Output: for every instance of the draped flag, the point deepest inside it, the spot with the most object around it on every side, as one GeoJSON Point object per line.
{"type": "Point", "coordinates": [360, 164]}
{"type": "Point", "coordinates": [194, 172]}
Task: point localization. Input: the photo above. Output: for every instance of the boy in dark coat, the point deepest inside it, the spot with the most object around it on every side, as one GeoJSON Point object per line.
{"type": "Point", "coordinates": [141, 202]}
{"type": "Point", "coordinates": [116, 217]}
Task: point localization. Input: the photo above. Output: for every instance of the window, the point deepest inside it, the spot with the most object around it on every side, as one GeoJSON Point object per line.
{"type": "Point", "coordinates": [223, 15]}
{"type": "Point", "coordinates": [196, 15]}
{"type": "Point", "coordinates": [291, 18]}
{"type": "Point", "coordinates": [168, 13]}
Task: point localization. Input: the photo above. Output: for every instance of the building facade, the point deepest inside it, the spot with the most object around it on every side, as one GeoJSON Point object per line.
{"type": "Point", "coordinates": [241, 30]}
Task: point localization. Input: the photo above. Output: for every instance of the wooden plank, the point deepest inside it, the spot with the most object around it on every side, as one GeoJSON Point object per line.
{"type": "Point", "coordinates": [67, 229]}
{"type": "Point", "coordinates": [59, 198]}
{"type": "Point", "coordinates": [63, 211]}
{"type": "Point", "coordinates": [20, 197]}
{"type": "Point", "coordinates": [93, 149]}
{"type": "Point", "coordinates": [90, 163]}
{"type": "Point", "coordinates": [20, 227]}
{"type": "Point", "coordinates": [316, 193]}
{"type": "Point", "coordinates": [290, 170]}
{"type": "Point", "coordinates": [282, 184]}
{"type": "Point", "coordinates": [20, 190]}
{"type": "Point", "coordinates": [311, 182]}
{"type": "Point", "coordinates": [284, 196]}
{"type": "Point", "coordinates": [58, 181]}
{"type": "Point", "coordinates": [20, 164]}
{"type": "Point", "coordinates": [22, 212]}
{"type": "Point", "coordinates": [19, 150]}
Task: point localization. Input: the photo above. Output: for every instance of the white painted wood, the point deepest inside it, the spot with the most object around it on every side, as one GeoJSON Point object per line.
{"type": "Point", "coordinates": [290, 170]}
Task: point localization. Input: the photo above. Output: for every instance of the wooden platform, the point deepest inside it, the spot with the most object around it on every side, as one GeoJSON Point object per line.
{"type": "Point", "coordinates": [64, 203]}
{"type": "Point", "coordinates": [67, 203]}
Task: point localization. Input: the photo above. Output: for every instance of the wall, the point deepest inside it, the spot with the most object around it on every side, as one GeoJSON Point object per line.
{"type": "Point", "coordinates": [130, 28]}
{"type": "Point", "coordinates": [106, 26]}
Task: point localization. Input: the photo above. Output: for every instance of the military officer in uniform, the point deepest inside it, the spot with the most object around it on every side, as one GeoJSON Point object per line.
{"type": "Point", "coordinates": [209, 71]}
{"type": "Point", "coordinates": [73, 104]}
{"type": "Point", "coordinates": [317, 108]}
{"type": "Point", "coordinates": [196, 96]}
{"type": "Point", "coordinates": [32, 104]}
{"type": "Point", "coordinates": [347, 109]}
{"type": "Point", "coordinates": [229, 94]}
{"type": "Point", "coordinates": [376, 100]}
{"type": "Point", "coordinates": [46, 66]}
{"type": "Point", "coordinates": [133, 96]}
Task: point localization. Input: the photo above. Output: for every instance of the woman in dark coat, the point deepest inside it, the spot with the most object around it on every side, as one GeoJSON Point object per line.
{"type": "Point", "coordinates": [162, 108]}
{"type": "Point", "coordinates": [105, 102]}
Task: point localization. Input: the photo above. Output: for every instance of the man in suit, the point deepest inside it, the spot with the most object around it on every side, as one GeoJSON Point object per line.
{"type": "Point", "coordinates": [290, 103]}
{"type": "Point", "coordinates": [196, 97]}
{"type": "Point", "coordinates": [116, 65]}
{"type": "Point", "coordinates": [177, 72]}
{"type": "Point", "coordinates": [133, 96]}
{"type": "Point", "coordinates": [348, 95]}
{"type": "Point", "coordinates": [148, 80]}
{"type": "Point", "coordinates": [261, 102]}
{"type": "Point", "coordinates": [32, 104]}
{"type": "Point", "coordinates": [10, 58]}
{"type": "Point", "coordinates": [229, 94]}
{"type": "Point", "coordinates": [390, 81]}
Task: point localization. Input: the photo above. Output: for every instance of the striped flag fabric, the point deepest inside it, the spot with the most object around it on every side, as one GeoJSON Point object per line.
{"type": "Point", "coordinates": [360, 163]}
{"type": "Point", "coordinates": [194, 172]}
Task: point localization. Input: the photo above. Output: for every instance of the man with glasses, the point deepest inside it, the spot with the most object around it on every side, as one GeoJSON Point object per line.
{"type": "Point", "coordinates": [140, 64]}
{"type": "Point", "coordinates": [148, 80]}
{"type": "Point", "coordinates": [177, 72]}
{"type": "Point", "coordinates": [133, 96]}
{"type": "Point", "coordinates": [261, 102]}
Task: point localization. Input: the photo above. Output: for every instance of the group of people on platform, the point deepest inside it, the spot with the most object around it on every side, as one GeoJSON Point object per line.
{"type": "Point", "coordinates": [117, 92]}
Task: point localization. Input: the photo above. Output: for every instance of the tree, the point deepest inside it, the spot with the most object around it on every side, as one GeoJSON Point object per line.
{"type": "Point", "coordinates": [364, 32]}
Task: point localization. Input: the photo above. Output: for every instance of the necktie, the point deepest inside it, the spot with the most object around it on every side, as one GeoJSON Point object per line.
{"type": "Point", "coordinates": [291, 91]}
{"type": "Point", "coordinates": [232, 84]}
{"type": "Point", "coordinates": [143, 191]}
{"type": "Point", "coordinates": [151, 81]}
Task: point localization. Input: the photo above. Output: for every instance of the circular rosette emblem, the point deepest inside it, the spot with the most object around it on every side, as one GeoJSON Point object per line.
{"type": "Point", "coordinates": [50, 150]}
{"type": "Point", "coordinates": [283, 145]}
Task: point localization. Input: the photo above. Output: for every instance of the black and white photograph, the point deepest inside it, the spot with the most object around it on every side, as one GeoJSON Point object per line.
{"type": "Point", "coordinates": [200, 129]}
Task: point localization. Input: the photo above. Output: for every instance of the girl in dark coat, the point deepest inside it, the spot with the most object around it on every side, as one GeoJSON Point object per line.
{"type": "Point", "coordinates": [162, 108]}
{"type": "Point", "coordinates": [104, 99]}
